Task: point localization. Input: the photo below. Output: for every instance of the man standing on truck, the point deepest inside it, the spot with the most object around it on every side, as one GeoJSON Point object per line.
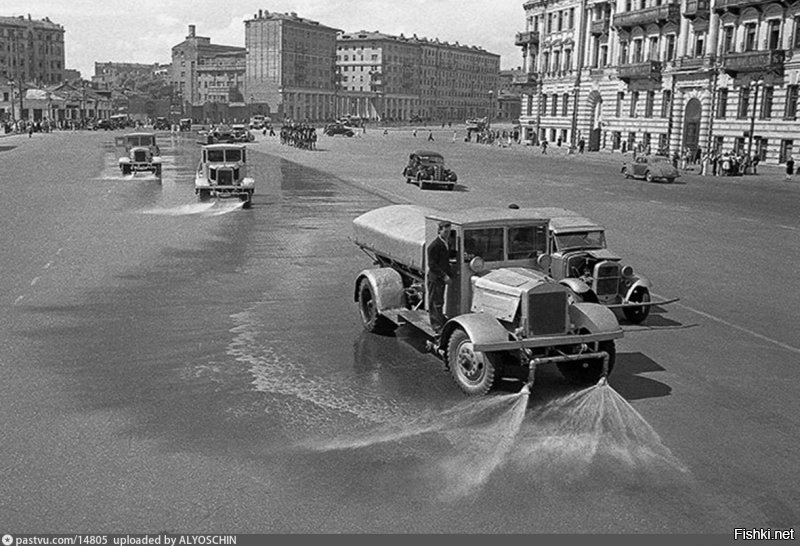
{"type": "Point", "coordinates": [439, 275]}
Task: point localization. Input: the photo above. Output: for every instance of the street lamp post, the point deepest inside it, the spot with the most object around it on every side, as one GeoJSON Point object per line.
{"type": "Point", "coordinates": [489, 112]}
{"type": "Point", "coordinates": [11, 83]}
{"type": "Point", "coordinates": [576, 90]}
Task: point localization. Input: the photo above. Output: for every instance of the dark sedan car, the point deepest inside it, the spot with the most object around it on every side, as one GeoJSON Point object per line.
{"type": "Point", "coordinates": [651, 167]}
{"type": "Point", "coordinates": [428, 171]}
{"type": "Point", "coordinates": [333, 129]}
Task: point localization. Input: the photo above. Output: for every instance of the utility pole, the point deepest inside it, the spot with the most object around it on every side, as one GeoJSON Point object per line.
{"type": "Point", "coordinates": [755, 84]}
{"type": "Point", "coordinates": [576, 89]}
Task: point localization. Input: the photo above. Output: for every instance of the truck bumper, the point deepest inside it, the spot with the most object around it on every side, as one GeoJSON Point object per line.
{"type": "Point", "coordinates": [548, 341]}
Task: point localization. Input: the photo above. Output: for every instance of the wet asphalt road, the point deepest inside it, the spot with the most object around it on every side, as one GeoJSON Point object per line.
{"type": "Point", "coordinates": [172, 367]}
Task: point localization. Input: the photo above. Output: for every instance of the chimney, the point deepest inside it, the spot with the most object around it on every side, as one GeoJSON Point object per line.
{"type": "Point", "coordinates": [191, 31]}
{"type": "Point", "coordinates": [260, 14]}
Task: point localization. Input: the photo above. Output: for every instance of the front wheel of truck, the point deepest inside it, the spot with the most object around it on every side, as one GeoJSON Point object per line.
{"type": "Point", "coordinates": [473, 371]}
{"type": "Point", "coordinates": [372, 320]}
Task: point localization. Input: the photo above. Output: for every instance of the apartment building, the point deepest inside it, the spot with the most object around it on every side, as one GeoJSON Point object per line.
{"type": "Point", "coordinates": [663, 75]}
{"type": "Point", "coordinates": [202, 73]}
{"type": "Point", "coordinates": [290, 66]}
{"type": "Point", "coordinates": [108, 75]}
{"type": "Point", "coordinates": [31, 51]}
{"type": "Point", "coordinates": [400, 78]}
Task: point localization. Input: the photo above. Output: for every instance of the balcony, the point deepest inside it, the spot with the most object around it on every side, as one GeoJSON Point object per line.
{"type": "Point", "coordinates": [599, 27]}
{"type": "Point", "coordinates": [648, 70]}
{"type": "Point", "coordinates": [696, 8]}
{"type": "Point", "coordinates": [765, 62]}
{"type": "Point", "coordinates": [738, 5]}
{"type": "Point", "coordinates": [527, 38]}
{"type": "Point", "coordinates": [695, 63]}
{"type": "Point", "coordinates": [525, 79]}
{"type": "Point", "coordinates": [670, 13]}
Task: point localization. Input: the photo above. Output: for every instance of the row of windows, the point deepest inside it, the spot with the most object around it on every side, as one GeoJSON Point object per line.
{"type": "Point", "coordinates": [764, 103]}
{"type": "Point", "coordinates": [553, 22]}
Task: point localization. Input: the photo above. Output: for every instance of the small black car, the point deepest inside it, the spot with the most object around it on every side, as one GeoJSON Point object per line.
{"type": "Point", "coordinates": [427, 170]}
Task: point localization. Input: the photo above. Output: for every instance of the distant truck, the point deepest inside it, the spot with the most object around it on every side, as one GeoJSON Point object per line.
{"type": "Point", "coordinates": [139, 154]}
{"type": "Point", "coordinates": [505, 316]}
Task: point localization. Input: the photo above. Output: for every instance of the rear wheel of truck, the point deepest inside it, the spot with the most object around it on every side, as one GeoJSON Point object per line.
{"type": "Point", "coordinates": [587, 372]}
{"type": "Point", "coordinates": [473, 371]}
{"type": "Point", "coordinates": [372, 320]}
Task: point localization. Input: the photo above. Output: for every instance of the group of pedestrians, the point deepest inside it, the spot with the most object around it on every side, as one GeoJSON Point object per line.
{"type": "Point", "coordinates": [299, 135]}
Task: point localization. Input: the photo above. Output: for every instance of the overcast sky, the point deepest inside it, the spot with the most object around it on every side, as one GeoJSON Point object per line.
{"type": "Point", "coordinates": [144, 31]}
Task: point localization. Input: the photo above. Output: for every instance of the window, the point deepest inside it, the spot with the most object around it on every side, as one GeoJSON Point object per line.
{"type": "Point", "coordinates": [653, 56]}
{"type": "Point", "coordinates": [631, 140]}
{"type": "Point", "coordinates": [766, 103]}
{"type": "Point", "coordinates": [565, 104]}
{"type": "Point", "coordinates": [791, 102]}
{"type": "Point", "coordinates": [749, 36]}
{"type": "Point", "coordinates": [526, 242]}
{"type": "Point", "coordinates": [637, 51]}
{"type": "Point", "coordinates": [648, 105]}
{"type": "Point", "coordinates": [603, 56]}
{"type": "Point", "coordinates": [796, 43]}
{"type": "Point", "coordinates": [774, 34]}
{"type": "Point", "coordinates": [560, 20]}
{"type": "Point", "coordinates": [623, 53]}
{"type": "Point", "coordinates": [719, 144]}
{"type": "Point", "coordinates": [670, 47]}
{"type": "Point", "coordinates": [727, 40]}
{"type": "Point", "coordinates": [700, 45]}
{"type": "Point", "coordinates": [620, 99]}
{"type": "Point", "coordinates": [761, 148]}
{"type": "Point", "coordinates": [666, 99]}
{"type": "Point", "coordinates": [486, 243]}
{"type": "Point", "coordinates": [786, 150]}
{"type": "Point", "coordinates": [550, 24]}
{"type": "Point", "coordinates": [554, 106]}
{"type": "Point", "coordinates": [634, 101]}
{"type": "Point", "coordinates": [567, 59]}
{"type": "Point", "coordinates": [544, 105]}
{"type": "Point", "coordinates": [571, 17]}
{"type": "Point", "coordinates": [662, 143]}
{"type": "Point", "coordinates": [616, 138]}
{"type": "Point", "coordinates": [744, 102]}
{"type": "Point", "coordinates": [722, 103]}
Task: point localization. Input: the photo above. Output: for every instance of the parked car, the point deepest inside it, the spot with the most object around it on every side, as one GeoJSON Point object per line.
{"type": "Point", "coordinates": [578, 258]}
{"type": "Point", "coordinates": [650, 167]}
{"type": "Point", "coordinates": [427, 170]}
{"type": "Point", "coordinates": [139, 154]}
{"type": "Point", "coordinates": [222, 173]}
{"type": "Point", "coordinates": [504, 316]}
{"type": "Point", "coordinates": [259, 121]}
{"type": "Point", "coordinates": [186, 124]}
{"type": "Point", "coordinates": [333, 129]}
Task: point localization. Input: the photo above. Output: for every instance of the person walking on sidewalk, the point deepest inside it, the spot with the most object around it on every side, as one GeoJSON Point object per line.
{"type": "Point", "coordinates": [789, 167]}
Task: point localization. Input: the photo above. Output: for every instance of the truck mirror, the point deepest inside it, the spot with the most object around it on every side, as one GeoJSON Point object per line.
{"type": "Point", "coordinates": [544, 262]}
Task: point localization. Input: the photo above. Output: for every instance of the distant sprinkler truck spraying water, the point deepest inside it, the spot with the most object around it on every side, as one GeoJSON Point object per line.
{"type": "Point", "coordinates": [504, 315]}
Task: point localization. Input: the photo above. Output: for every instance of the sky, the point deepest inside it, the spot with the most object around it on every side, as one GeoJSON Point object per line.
{"type": "Point", "coordinates": [144, 31]}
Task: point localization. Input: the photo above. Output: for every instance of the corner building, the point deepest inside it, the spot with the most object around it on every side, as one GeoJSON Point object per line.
{"type": "Point", "coordinates": [667, 76]}
{"type": "Point", "coordinates": [290, 66]}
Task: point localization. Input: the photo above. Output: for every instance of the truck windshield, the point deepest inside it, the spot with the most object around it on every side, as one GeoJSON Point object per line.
{"type": "Point", "coordinates": [486, 243]}
{"type": "Point", "coordinates": [223, 156]}
{"type": "Point", "coordinates": [526, 242]}
{"type": "Point", "coordinates": [580, 240]}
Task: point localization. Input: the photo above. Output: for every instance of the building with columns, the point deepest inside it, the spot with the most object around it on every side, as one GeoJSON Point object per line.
{"type": "Point", "coordinates": [670, 75]}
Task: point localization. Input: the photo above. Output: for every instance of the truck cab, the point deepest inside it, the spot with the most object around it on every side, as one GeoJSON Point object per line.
{"type": "Point", "coordinates": [504, 315]}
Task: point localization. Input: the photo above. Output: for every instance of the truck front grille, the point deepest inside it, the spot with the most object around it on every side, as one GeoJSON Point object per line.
{"type": "Point", "coordinates": [224, 177]}
{"type": "Point", "coordinates": [606, 279]}
{"type": "Point", "coordinates": [140, 156]}
{"type": "Point", "coordinates": [547, 310]}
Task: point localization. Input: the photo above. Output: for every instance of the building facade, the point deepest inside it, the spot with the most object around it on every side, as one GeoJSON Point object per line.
{"type": "Point", "coordinates": [110, 75]}
{"type": "Point", "coordinates": [671, 75]}
{"type": "Point", "coordinates": [401, 78]}
{"type": "Point", "coordinates": [290, 67]}
{"type": "Point", "coordinates": [205, 76]}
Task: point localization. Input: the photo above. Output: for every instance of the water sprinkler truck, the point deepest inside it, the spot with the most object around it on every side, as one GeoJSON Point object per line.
{"type": "Point", "coordinates": [505, 314]}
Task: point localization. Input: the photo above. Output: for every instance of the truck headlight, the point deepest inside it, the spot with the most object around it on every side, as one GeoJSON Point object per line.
{"type": "Point", "coordinates": [627, 271]}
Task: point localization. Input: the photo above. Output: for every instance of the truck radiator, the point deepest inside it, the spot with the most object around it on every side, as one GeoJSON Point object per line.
{"type": "Point", "coordinates": [224, 177]}
{"type": "Point", "coordinates": [140, 156]}
{"type": "Point", "coordinates": [547, 310]}
{"type": "Point", "coordinates": [606, 279]}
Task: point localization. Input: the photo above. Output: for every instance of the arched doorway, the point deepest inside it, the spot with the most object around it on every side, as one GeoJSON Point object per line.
{"type": "Point", "coordinates": [595, 101]}
{"type": "Point", "coordinates": [691, 124]}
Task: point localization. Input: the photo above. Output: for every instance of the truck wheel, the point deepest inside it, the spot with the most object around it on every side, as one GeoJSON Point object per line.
{"type": "Point", "coordinates": [372, 320]}
{"type": "Point", "coordinates": [126, 169]}
{"type": "Point", "coordinates": [158, 171]}
{"type": "Point", "coordinates": [473, 371]}
{"type": "Point", "coordinates": [205, 195]}
{"type": "Point", "coordinates": [638, 314]}
{"type": "Point", "coordinates": [586, 372]}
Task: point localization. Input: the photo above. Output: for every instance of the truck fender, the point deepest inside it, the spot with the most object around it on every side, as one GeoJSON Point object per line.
{"type": "Point", "coordinates": [640, 282]}
{"type": "Point", "coordinates": [124, 160]}
{"type": "Point", "coordinates": [593, 317]}
{"type": "Point", "coordinates": [576, 285]}
{"type": "Point", "coordinates": [480, 327]}
{"type": "Point", "coordinates": [387, 287]}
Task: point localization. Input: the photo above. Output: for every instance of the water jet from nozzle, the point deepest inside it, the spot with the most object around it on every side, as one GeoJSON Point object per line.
{"type": "Point", "coordinates": [603, 382]}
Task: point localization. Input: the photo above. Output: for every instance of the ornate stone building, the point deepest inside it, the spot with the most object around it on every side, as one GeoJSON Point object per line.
{"type": "Point", "coordinates": [665, 75]}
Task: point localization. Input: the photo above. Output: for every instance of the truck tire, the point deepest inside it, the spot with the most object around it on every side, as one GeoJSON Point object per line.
{"type": "Point", "coordinates": [587, 372]}
{"type": "Point", "coordinates": [371, 319]}
{"type": "Point", "coordinates": [247, 199]}
{"type": "Point", "coordinates": [473, 371]}
{"type": "Point", "coordinates": [205, 195]}
{"type": "Point", "coordinates": [637, 315]}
